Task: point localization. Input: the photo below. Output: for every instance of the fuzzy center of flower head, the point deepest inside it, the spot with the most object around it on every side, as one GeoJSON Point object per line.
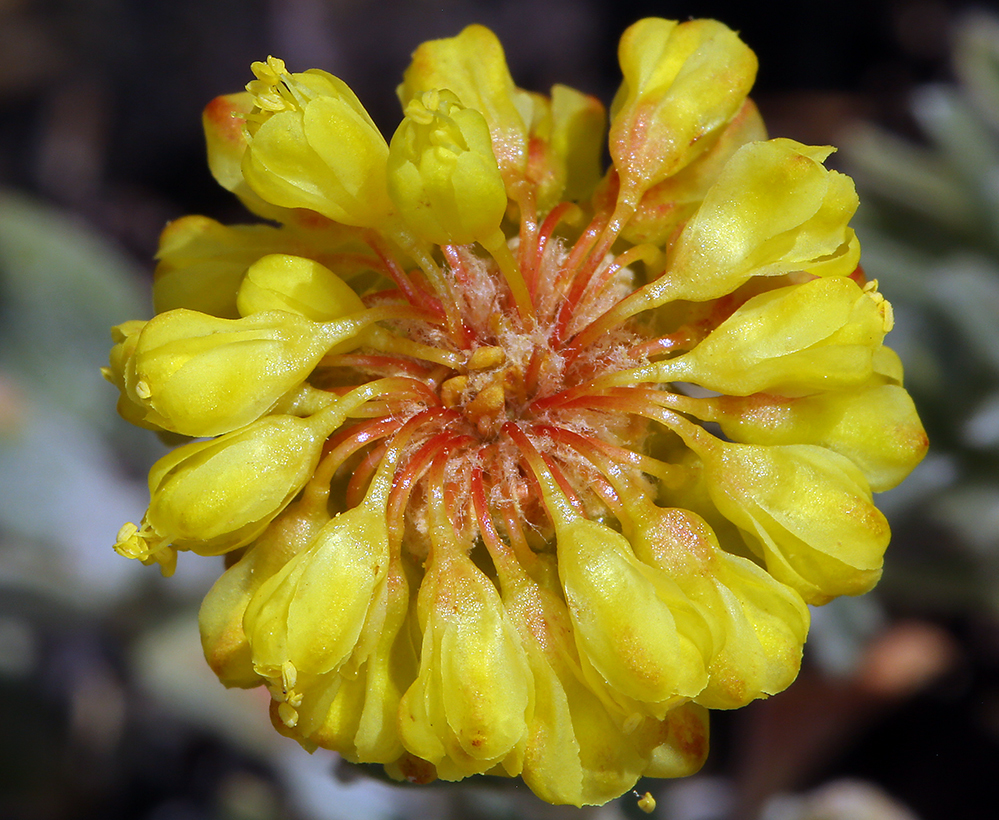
{"type": "Point", "coordinates": [511, 370]}
{"type": "Point", "coordinates": [518, 464]}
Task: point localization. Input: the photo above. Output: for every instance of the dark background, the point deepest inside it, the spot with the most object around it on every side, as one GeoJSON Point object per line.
{"type": "Point", "coordinates": [100, 100]}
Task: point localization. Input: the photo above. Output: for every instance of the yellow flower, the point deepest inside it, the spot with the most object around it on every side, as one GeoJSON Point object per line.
{"type": "Point", "coordinates": [198, 375]}
{"type": "Point", "coordinates": [311, 144]}
{"type": "Point", "coordinates": [520, 467]}
{"type": "Point", "coordinates": [443, 176]}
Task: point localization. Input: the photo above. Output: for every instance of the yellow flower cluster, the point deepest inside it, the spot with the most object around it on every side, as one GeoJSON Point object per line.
{"type": "Point", "coordinates": [518, 466]}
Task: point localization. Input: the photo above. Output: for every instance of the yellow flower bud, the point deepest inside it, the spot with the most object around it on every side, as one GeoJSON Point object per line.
{"type": "Point", "coordinates": [806, 510]}
{"type": "Point", "coordinates": [652, 649]}
{"type": "Point", "coordinates": [311, 611]}
{"type": "Point", "coordinates": [794, 340]}
{"type": "Point", "coordinates": [325, 630]}
{"type": "Point", "coordinates": [201, 263]}
{"type": "Point", "coordinates": [683, 83]}
{"type": "Point", "coordinates": [473, 66]}
{"type": "Point", "coordinates": [673, 201]}
{"type": "Point", "coordinates": [223, 638]}
{"type": "Point", "coordinates": [572, 736]}
{"type": "Point", "coordinates": [566, 139]}
{"type": "Point", "coordinates": [362, 720]}
{"type": "Point", "coordinates": [312, 145]}
{"type": "Point", "coordinates": [199, 375]}
{"type": "Point", "coordinates": [469, 707]}
{"type": "Point", "coordinates": [296, 285]}
{"type": "Point", "coordinates": [875, 426]}
{"type": "Point", "coordinates": [125, 337]}
{"type": "Point", "coordinates": [214, 496]}
{"type": "Point", "coordinates": [795, 218]}
{"type": "Point", "coordinates": [578, 752]}
{"type": "Point", "coordinates": [759, 625]}
{"type": "Point", "coordinates": [584, 746]}
{"type": "Point", "coordinates": [442, 174]}
{"type": "Point", "coordinates": [632, 622]}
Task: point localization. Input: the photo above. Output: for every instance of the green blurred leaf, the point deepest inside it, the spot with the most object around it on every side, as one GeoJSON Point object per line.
{"type": "Point", "coordinates": [976, 60]}
{"type": "Point", "coordinates": [61, 289]}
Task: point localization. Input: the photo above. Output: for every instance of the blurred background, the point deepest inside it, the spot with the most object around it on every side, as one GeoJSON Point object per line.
{"type": "Point", "coordinates": [107, 709]}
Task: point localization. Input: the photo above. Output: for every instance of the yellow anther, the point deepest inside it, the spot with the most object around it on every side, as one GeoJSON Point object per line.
{"type": "Point", "coordinates": [130, 543]}
{"type": "Point", "coordinates": [884, 306]}
{"type": "Point", "coordinates": [647, 803]}
{"type": "Point", "coordinates": [452, 390]}
{"type": "Point", "coordinates": [485, 357]}
{"type": "Point", "coordinates": [127, 531]}
{"type": "Point", "coordinates": [288, 715]}
{"type": "Point", "coordinates": [275, 89]}
{"type": "Point", "coordinates": [289, 676]}
{"type": "Point", "coordinates": [423, 108]}
{"type": "Point", "coordinates": [488, 402]}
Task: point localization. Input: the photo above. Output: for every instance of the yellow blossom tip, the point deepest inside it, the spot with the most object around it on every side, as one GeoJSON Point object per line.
{"type": "Point", "coordinates": [269, 71]}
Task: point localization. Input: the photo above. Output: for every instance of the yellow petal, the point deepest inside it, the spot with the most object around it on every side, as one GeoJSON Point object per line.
{"type": "Point", "coordinates": [442, 174]}
{"type": "Point", "coordinates": [296, 285]}
{"type": "Point", "coordinates": [806, 509]}
{"type": "Point", "coordinates": [795, 340]}
{"type": "Point", "coordinates": [667, 205]}
{"type": "Point", "coordinates": [876, 427]}
{"type": "Point", "coordinates": [773, 209]}
{"type": "Point", "coordinates": [680, 742]}
{"type": "Point", "coordinates": [199, 375]}
{"type": "Point", "coordinates": [578, 124]}
{"type": "Point", "coordinates": [473, 66]}
{"type": "Point", "coordinates": [682, 84]}
{"type": "Point", "coordinates": [201, 263]}
{"type": "Point", "coordinates": [565, 135]}
{"type": "Point", "coordinates": [224, 122]}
